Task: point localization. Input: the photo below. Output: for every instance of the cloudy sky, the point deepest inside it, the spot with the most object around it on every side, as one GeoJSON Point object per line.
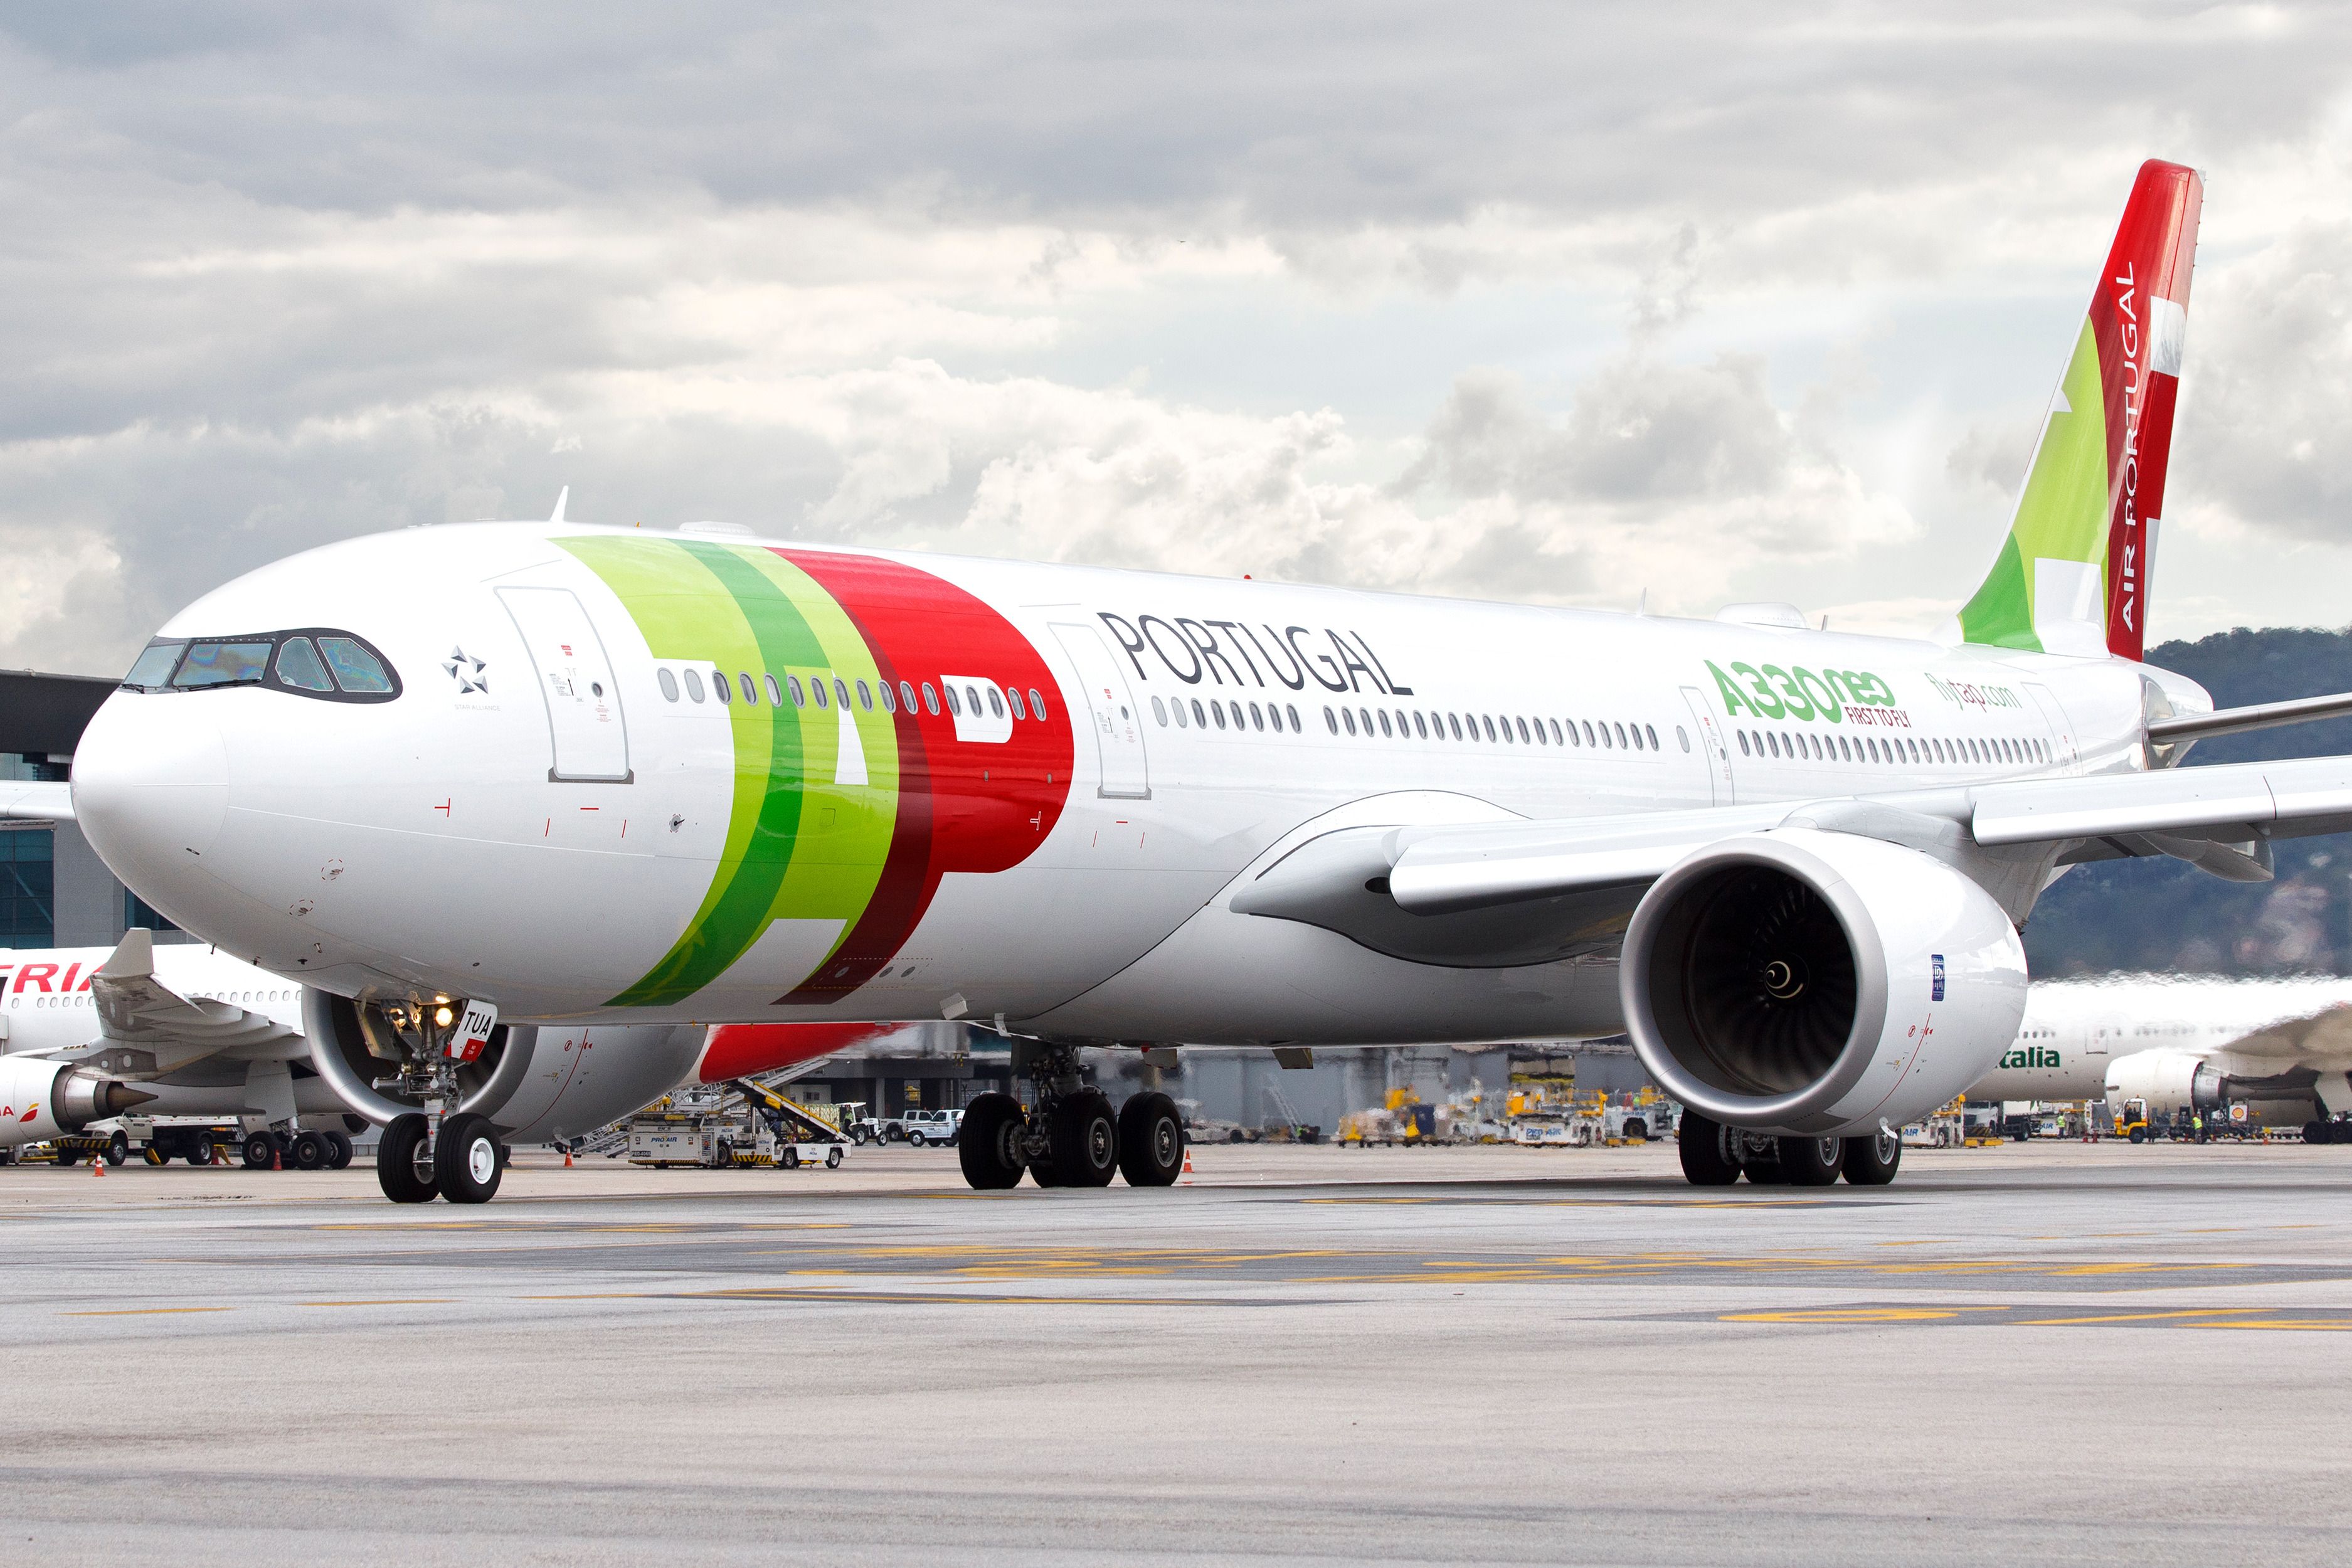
{"type": "Point", "coordinates": [1569, 303]}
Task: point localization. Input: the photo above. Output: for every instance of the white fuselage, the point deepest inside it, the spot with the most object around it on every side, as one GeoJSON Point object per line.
{"type": "Point", "coordinates": [555, 813]}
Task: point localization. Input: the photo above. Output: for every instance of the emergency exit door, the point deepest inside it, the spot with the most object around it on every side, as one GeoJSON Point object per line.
{"type": "Point", "coordinates": [1117, 726]}
{"type": "Point", "coordinates": [1713, 743]}
{"type": "Point", "coordinates": [585, 725]}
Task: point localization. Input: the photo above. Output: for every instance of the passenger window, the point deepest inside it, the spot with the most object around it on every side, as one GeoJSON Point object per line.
{"type": "Point", "coordinates": [816, 689]}
{"type": "Point", "coordinates": [223, 664]}
{"type": "Point", "coordinates": [1555, 734]}
{"type": "Point", "coordinates": [1684, 736]}
{"type": "Point", "coordinates": [720, 687]}
{"type": "Point", "coordinates": [1652, 730]}
{"type": "Point", "coordinates": [1743, 741]}
{"type": "Point", "coordinates": [1620, 735]}
{"type": "Point", "coordinates": [1036, 702]}
{"type": "Point", "coordinates": [1384, 721]}
{"type": "Point", "coordinates": [751, 692]}
{"type": "Point", "coordinates": [775, 692]}
{"type": "Point", "coordinates": [1199, 720]}
{"type": "Point", "coordinates": [1217, 711]}
{"type": "Point", "coordinates": [1489, 725]}
{"type": "Point", "coordinates": [694, 684]}
{"type": "Point", "coordinates": [1181, 722]}
{"type": "Point", "coordinates": [995, 705]}
{"type": "Point", "coordinates": [955, 706]}
{"type": "Point", "coordinates": [668, 682]}
{"type": "Point", "coordinates": [865, 697]}
{"type": "Point", "coordinates": [1012, 696]}
{"type": "Point", "coordinates": [1330, 720]}
{"type": "Point", "coordinates": [907, 696]}
{"type": "Point", "coordinates": [841, 695]}
{"type": "Point", "coordinates": [1453, 726]}
{"type": "Point", "coordinates": [972, 699]}
{"type": "Point", "coordinates": [1256, 722]}
{"type": "Point", "coordinates": [1292, 708]}
{"type": "Point", "coordinates": [1420, 727]}
{"type": "Point", "coordinates": [1523, 729]}
{"type": "Point", "coordinates": [1350, 719]}
{"type": "Point", "coordinates": [298, 665]}
{"type": "Point", "coordinates": [356, 670]}
{"type": "Point", "coordinates": [1160, 712]}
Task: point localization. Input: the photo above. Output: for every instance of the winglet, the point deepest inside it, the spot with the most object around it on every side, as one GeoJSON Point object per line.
{"type": "Point", "coordinates": [133, 957]}
{"type": "Point", "coordinates": [562, 496]}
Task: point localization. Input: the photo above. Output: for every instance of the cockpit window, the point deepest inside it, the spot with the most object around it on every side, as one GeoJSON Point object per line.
{"type": "Point", "coordinates": [357, 670]}
{"type": "Point", "coordinates": [224, 664]}
{"type": "Point", "coordinates": [298, 665]}
{"type": "Point", "coordinates": [154, 664]}
{"type": "Point", "coordinates": [291, 661]}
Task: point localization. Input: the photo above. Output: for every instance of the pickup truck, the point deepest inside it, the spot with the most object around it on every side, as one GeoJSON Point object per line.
{"type": "Point", "coordinates": [923, 1128]}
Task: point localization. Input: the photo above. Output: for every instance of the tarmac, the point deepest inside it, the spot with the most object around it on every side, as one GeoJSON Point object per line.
{"type": "Point", "coordinates": [2042, 1352]}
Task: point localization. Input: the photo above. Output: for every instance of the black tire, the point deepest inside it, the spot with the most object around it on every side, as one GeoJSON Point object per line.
{"type": "Point", "coordinates": [1872, 1160]}
{"type": "Point", "coordinates": [8, 1156]}
{"type": "Point", "coordinates": [1709, 1158]}
{"type": "Point", "coordinates": [466, 1163]}
{"type": "Point", "coordinates": [1811, 1162]}
{"type": "Point", "coordinates": [308, 1152]}
{"type": "Point", "coordinates": [118, 1148]}
{"type": "Point", "coordinates": [260, 1152]}
{"type": "Point", "coordinates": [2318, 1133]}
{"type": "Point", "coordinates": [726, 1154]}
{"type": "Point", "coordinates": [833, 1158]}
{"type": "Point", "coordinates": [1086, 1140]}
{"type": "Point", "coordinates": [1763, 1173]}
{"type": "Point", "coordinates": [1235, 1136]}
{"type": "Point", "coordinates": [404, 1177]}
{"type": "Point", "coordinates": [200, 1152]}
{"type": "Point", "coordinates": [338, 1150]}
{"type": "Point", "coordinates": [990, 1149]}
{"type": "Point", "coordinates": [1635, 1128]}
{"type": "Point", "coordinates": [2140, 1134]}
{"type": "Point", "coordinates": [68, 1157]}
{"type": "Point", "coordinates": [790, 1159]}
{"type": "Point", "coordinates": [917, 1140]}
{"type": "Point", "coordinates": [1150, 1141]}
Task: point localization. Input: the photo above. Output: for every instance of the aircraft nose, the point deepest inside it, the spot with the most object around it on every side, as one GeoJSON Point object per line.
{"type": "Point", "coordinates": [151, 789]}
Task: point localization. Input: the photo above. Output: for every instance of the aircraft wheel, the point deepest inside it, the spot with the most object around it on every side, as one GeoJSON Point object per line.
{"type": "Point", "coordinates": [338, 1150]}
{"type": "Point", "coordinates": [260, 1152]}
{"type": "Point", "coordinates": [402, 1168]}
{"type": "Point", "coordinates": [308, 1152]}
{"type": "Point", "coordinates": [1707, 1152]}
{"type": "Point", "coordinates": [990, 1149]}
{"type": "Point", "coordinates": [1086, 1140]}
{"type": "Point", "coordinates": [1871, 1161]}
{"type": "Point", "coordinates": [466, 1162]}
{"type": "Point", "coordinates": [1811, 1162]}
{"type": "Point", "coordinates": [1150, 1141]}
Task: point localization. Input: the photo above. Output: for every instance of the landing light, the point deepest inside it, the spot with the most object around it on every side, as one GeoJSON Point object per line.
{"type": "Point", "coordinates": [444, 1016]}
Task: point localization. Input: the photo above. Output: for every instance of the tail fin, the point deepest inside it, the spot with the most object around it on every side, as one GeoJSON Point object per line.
{"type": "Point", "coordinates": [2073, 575]}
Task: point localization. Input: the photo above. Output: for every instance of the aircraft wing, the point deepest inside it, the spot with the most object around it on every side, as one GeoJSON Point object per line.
{"type": "Point", "coordinates": [25, 800]}
{"type": "Point", "coordinates": [146, 1029]}
{"type": "Point", "coordinates": [1586, 873]}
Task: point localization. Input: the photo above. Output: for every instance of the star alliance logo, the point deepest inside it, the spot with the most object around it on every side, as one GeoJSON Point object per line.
{"type": "Point", "coordinates": [467, 671]}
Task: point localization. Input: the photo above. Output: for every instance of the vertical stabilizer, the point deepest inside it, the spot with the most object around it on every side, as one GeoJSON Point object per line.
{"type": "Point", "coordinates": [2072, 576]}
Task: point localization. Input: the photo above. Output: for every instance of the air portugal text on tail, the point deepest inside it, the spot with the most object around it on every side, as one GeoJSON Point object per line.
{"type": "Point", "coordinates": [2073, 575]}
{"type": "Point", "coordinates": [618, 777]}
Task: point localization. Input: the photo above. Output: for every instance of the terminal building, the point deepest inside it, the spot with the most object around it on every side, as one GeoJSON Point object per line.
{"type": "Point", "coordinates": [54, 889]}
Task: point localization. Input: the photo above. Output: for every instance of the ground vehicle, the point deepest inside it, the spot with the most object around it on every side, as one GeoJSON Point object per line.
{"type": "Point", "coordinates": [927, 1128]}
{"type": "Point", "coordinates": [2131, 1121]}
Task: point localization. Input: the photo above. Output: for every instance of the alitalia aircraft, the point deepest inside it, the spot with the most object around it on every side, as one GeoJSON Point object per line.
{"type": "Point", "coordinates": [2284, 1048]}
{"type": "Point", "coordinates": [556, 773]}
{"type": "Point", "coordinates": [91, 1033]}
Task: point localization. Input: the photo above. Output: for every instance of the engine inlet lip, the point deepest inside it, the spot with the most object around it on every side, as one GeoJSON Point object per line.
{"type": "Point", "coordinates": [1801, 1110]}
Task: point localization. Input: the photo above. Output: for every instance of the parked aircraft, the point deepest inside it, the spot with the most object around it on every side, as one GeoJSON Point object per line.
{"type": "Point", "coordinates": [2282, 1046]}
{"type": "Point", "coordinates": [570, 775]}
{"type": "Point", "coordinates": [177, 1030]}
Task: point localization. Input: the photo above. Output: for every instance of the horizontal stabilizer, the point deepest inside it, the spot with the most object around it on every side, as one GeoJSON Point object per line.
{"type": "Point", "coordinates": [2260, 716]}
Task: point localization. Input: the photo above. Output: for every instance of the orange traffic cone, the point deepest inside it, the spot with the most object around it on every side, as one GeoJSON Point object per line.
{"type": "Point", "coordinates": [567, 1156]}
{"type": "Point", "coordinates": [98, 1164]}
{"type": "Point", "coordinates": [277, 1158]}
{"type": "Point", "coordinates": [1187, 1167]}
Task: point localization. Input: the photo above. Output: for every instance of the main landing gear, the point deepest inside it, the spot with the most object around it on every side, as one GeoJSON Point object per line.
{"type": "Point", "coordinates": [1073, 1138]}
{"type": "Point", "coordinates": [1715, 1155]}
{"type": "Point", "coordinates": [439, 1152]}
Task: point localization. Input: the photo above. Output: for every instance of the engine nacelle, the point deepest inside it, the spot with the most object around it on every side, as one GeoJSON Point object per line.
{"type": "Point", "coordinates": [1812, 983]}
{"type": "Point", "coordinates": [40, 1098]}
{"type": "Point", "coordinates": [2167, 1080]}
{"type": "Point", "coordinates": [534, 1083]}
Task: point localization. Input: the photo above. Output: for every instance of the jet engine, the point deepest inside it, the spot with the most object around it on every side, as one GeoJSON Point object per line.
{"type": "Point", "coordinates": [2167, 1080]}
{"type": "Point", "coordinates": [536, 1083]}
{"type": "Point", "coordinates": [41, 1098]}
{"type": "Point", "coordinates": [1810, 983]}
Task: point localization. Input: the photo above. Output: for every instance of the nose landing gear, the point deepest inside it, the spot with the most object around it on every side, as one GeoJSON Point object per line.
{"type": "Point", "coordinates": [438, 1151]}
{"type": "Point", "coordinates": [1072, 1139]}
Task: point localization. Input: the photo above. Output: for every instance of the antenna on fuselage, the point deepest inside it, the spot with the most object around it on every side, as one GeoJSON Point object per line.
{"type": "Point", "coordinates": [562, 496]}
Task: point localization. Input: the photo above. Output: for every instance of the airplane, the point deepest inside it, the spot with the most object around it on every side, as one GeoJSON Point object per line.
{"type": "Point", "coordinates": [2283, 1047]}
{"type": "Point", "coordinates": [567, 774]}
{"type": "Point", "coordinates": [184, 1030]}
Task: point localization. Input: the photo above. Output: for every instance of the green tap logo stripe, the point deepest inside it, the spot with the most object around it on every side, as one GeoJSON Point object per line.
{"type": "Point", "coordinates": [799, 846]}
